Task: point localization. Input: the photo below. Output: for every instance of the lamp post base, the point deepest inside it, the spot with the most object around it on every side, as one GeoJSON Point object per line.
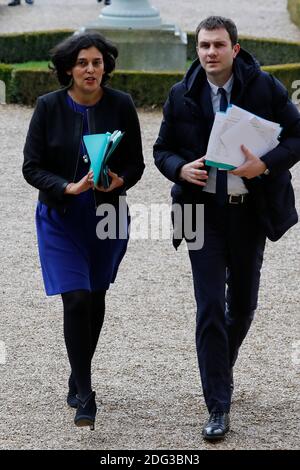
{"type": "Point", "coordinates": [162, 49]}
{"type": "Point", "coordinates": [137, 14]}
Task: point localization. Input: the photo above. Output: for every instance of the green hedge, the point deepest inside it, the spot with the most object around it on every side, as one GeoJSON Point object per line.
{"type": "Point", "coordinates": [272, 51]}
{"type": "Point", "coordinates": [35, 46]}
{"type": "Point", "coordinates": [24, 47]}
{"type": "Point", "coordinates": [266, 51]}
{"type": "Point", "coordinates": [286, 73]}
{"type": "Point", "coordinates": [5, 72]}
{"type": "Point", "coordinates": [294, 10]}
{"type": "Point", "coordinates": [146, 88]}
{"type": "Point", "coordinates": [24, 92]}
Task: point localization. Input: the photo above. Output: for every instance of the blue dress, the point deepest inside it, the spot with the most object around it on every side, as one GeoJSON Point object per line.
{"type": "Point", "coordinates": [72, 256]}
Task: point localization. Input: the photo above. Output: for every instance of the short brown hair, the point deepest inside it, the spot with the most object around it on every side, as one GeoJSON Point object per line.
{"type": "Point", "coordinates": [218, 22]}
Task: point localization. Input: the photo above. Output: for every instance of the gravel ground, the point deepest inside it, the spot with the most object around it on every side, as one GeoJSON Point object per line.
{"type": "Point", "coordinates": [262, 18]}
{"type": "Point", "coordinates": [145, 370]}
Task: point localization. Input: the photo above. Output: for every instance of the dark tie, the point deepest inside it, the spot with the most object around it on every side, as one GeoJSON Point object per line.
{"type": "Point", "coordinates": [221, 182]}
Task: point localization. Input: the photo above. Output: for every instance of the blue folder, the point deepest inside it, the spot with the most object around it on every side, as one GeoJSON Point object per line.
{"type": "Point", "coordinates": [99, 148]}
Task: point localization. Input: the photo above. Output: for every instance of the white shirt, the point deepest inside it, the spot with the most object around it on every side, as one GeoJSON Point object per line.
{"type": "Point", "coordinates": [235, 184]}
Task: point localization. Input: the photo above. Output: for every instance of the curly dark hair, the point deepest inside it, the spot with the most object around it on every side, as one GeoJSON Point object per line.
{"type": "Point", "coordinates": [64, 55]}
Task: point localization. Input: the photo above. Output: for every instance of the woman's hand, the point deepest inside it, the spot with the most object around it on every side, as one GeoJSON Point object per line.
{"type": "Point", "coordinates": [81, 186]}
{"type": "Point", "coordinates": [116, 182]}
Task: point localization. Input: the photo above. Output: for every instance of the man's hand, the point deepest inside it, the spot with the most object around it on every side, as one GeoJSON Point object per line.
{"type": "Point", "coordinates": [81, 186]}
{"type": "Point", "coordinates": [253, 166]}
{"type": "Point", "coordinates": [191, 172]}
{"type": "Point", "coordinates": [116, 182]}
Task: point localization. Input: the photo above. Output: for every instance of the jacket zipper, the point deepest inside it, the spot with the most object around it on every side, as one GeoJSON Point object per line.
{"type": "Point", "coordinates": [77, 161]}
{"type": "Point", "coordinates": [89, 131]}
{"type": "Point", "coordinates": [78, 153]}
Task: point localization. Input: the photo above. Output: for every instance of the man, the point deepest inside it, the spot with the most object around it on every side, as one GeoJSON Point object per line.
{"type": "Point", "coordinates": [241, 207]}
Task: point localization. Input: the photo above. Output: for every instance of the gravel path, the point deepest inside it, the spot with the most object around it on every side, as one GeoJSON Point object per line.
{"type": "Point", "coordinates": [262, 18]}
{"type": "Point", "coordinates": [145, 370]}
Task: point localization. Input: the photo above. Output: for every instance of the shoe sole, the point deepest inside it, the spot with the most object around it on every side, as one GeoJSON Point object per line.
{"type": "Point", "coordinates": [215, 438]}
{"type": "Point", "coordinates": [85, 422]}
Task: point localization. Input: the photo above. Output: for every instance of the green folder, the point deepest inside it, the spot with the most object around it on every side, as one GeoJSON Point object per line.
{"type": "Point", "coordinates": [99, 148]}
{"type": "Point", "coordinates": [221, 166]}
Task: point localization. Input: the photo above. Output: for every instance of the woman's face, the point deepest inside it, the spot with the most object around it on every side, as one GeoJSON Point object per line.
{"type": "Point", "coordinates": [88, 71]}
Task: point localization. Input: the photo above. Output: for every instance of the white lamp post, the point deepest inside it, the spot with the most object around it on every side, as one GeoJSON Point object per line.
{"type": "Point", "coordinates": [137, 14]}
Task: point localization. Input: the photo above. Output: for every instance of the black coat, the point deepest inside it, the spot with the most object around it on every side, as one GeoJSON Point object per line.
{"type": "Point", "coordinates": [53, 141]}
{"type": "Point", "coordinates": [187, 123]}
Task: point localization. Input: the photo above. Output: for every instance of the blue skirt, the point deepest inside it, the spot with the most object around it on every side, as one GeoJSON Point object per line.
{"type": "Point", "coordinates": [71, 254]}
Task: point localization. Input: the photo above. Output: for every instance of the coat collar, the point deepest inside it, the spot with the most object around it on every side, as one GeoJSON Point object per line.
{"type": "Point", "coordinates": [245, 68]}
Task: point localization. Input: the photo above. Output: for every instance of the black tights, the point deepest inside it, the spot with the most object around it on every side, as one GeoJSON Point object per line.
{"type": "Point", "coordinates": [83, 319]}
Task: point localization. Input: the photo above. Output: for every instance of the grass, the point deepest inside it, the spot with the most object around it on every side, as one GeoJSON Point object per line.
{"type": "Point", "coordinates": [32, 65]}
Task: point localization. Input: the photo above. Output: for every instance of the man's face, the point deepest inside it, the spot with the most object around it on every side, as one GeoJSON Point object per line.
{"type": "Point", "coordinates": [216, 54]}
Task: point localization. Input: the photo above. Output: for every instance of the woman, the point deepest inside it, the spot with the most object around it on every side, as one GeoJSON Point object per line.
{"type": "Point", "coordinates": [75, 262]}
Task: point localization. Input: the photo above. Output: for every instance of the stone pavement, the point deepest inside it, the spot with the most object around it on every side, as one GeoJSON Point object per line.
{"type": "Point", "coordinates": [262, 18]}
{"type": "Point", "coordinates": [145, 369]}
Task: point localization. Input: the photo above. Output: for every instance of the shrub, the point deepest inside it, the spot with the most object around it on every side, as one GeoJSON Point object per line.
{"type": "Point", "coordinates": [22, 47]}
{"type": "Point", "coordinates": [146, 88]}
{"type": "Point", "coordinates": [293, 7]}
{"type": "Point", "coordinates": [266, 51]}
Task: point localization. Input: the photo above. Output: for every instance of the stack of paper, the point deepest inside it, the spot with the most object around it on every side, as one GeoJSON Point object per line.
{"type": "Point", "coordinates": [234, 128]}
{"type": "Point", "coordinates": [99, 148]}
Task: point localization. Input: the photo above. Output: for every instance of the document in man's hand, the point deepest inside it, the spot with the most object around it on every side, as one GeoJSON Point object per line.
{"type": "Point", "coordinates": [234, 128]}
{"type": "Point", "coordinates": [99, 148]}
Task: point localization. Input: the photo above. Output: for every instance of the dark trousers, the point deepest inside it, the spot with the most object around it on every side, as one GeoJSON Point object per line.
{"type": "Point", "coordinates": [226, 274]}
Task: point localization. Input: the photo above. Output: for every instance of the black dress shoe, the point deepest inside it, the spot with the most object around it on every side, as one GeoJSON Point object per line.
{"type": "Point", "coordinates": [216, 427]}
{"type": "Point", "coordinates": [14, 3]}
{"type": "Point", "coordinates": [72, 399]}
{"type": "Point", "coordinates": [86, 412]}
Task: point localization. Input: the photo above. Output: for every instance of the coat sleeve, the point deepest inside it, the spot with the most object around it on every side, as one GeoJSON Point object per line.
{"type": "Point", "coordinates": [166, 159]}
{"type": "Point", "coordinates": [35, 152]}
{"type": "Point", "coordinates": [133, 167]}
{"type": "Point", "coordinates": [287, 153]}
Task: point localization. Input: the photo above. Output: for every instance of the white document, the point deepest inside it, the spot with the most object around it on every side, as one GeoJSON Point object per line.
{"type": "Point", "coordinates": [234, 128]}
{"type": "Point", "coordinates": [216, 149]}
{"type": "Point", "coordinates": [245, 133]}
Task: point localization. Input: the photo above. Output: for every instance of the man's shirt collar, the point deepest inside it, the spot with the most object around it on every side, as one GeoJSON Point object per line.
{"type": "Point", "coordinates": [227, 86]}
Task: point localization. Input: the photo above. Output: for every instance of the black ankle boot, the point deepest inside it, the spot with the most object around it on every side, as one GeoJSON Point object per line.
{"type": "Point", "coordinates": [71, 397]}
{"type": "Point", "coordinates": [86, 411]}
